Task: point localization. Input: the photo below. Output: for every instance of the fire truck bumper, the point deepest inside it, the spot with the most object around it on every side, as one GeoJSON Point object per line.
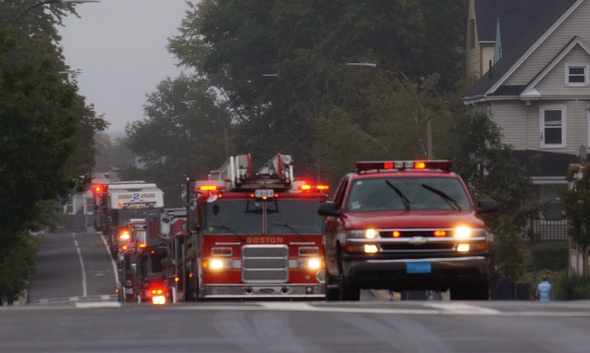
{"type": "Point", "coordinates": [254, 291]}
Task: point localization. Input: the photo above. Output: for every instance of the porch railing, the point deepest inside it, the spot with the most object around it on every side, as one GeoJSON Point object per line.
{"type": "Point", "coordinates": [548, 229]}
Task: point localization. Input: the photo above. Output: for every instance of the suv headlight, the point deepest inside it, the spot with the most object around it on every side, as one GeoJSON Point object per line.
{"type": "Point", "coordinates": [466, 232]}
{"type": "Point", "coordinates": [370, 233]}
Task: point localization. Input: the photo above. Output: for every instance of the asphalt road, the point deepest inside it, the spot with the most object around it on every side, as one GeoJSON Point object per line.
{"type": "Point", "coordinates": [66, 315]}
{"type": "Point", "coordinates": [440, 327]}
{"type": "Point", "coordinates": [72, 267]}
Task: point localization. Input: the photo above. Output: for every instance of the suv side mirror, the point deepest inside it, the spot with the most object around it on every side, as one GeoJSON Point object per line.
{"type": "Point", "coordinates": [329, 209]}
{"type": "Point", "coordinates": [487, 206]}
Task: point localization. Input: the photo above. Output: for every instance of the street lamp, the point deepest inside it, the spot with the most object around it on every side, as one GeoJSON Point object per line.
{"type": "Point", "coordinates": [49, 2]}
{"type": "Point", "coordinates": [410, 83]}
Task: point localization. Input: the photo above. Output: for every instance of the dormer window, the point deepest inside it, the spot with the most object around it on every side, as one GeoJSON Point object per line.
{"type": "Point", "coordinates": [577, 74]}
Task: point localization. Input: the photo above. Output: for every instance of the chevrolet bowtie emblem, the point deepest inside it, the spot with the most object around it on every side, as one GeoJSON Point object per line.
{"type": "Point", "coordinates": [418, 240]}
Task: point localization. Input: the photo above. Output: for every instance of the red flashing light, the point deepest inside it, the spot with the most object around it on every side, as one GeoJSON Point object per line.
{"type": "Point", "coordinates": [443, 165]}
{"type": "Point", "coordinates": [306, 187]}
{"type": "Point", "coordinates": [142, 246]}
{"type": "Point", "coordinates": [208, 188]}
{"type": "Point", "coordinates": [396, 234]}
{"type": "Point", "coordinates": [323, 187]}
{"type": "Point", "coordinates": [440, 233]}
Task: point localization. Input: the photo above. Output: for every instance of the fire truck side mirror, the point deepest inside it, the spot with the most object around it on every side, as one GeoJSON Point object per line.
{"type": "Point", "coordinates": [329, 209]}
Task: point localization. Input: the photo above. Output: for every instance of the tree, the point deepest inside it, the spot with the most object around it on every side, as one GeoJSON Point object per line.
{"type": "Point", "coordinates": [45, 133]}
{"type": "Point", "coordinates": [185, 134]}
{"type": "Point", "coordinates": [490, 170]}
{"type": "Point", "coordinates": [305, 45]}
{"type": "Point", "coordinates": [576, 205]}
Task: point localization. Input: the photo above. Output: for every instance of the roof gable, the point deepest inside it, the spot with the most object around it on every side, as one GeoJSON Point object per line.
{"type": "Point", "coordinates": [530, 91]}
{"type": "Point", "coordinates": [515, 54]}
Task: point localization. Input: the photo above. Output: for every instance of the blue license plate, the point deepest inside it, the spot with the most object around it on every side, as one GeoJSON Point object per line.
{"type": "Point", "coordinates": [418, 267]}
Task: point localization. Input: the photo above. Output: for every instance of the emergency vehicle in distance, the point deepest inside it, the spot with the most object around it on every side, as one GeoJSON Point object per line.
{"type": "Point", "coordinates": [254, 234]}
{"type": "Point", "coordinates": [405, 225]}
{"type": "Point", "coordinates": [149, 261]}
{"type": "Point", "coordinates": [118, 202]}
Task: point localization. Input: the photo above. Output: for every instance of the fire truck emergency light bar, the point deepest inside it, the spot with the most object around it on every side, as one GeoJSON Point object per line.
{"type": "Point", "coordinates": [444, 165]}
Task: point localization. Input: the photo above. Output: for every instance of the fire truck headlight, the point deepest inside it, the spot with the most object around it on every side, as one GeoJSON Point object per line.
{"type": "Point", "coordinates": [462, 232]}
{"type": "Point", "coordinates": [159, 300]}
{"type": "Point", "coordinates": [219, 264]}
{"type": "Point", "coordinates": [314, 264]}
{"type": "Point", "coordinates": [124, 236]}
{"type": "Point", "coordinates": [216, 264]}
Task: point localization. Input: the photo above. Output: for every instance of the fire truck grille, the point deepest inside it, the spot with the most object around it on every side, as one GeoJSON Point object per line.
{"type": "Point", "coordinates": [265, 263]}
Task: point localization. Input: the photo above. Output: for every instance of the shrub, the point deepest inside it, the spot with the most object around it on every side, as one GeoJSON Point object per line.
{"type": "Point", "coordinates": [550, 256]}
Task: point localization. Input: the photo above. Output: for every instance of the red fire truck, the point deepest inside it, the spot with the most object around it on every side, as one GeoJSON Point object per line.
{"type": "Point", "coordinates": [149, 277]}
{"type": "Point", "coordinates": [254, 234]}
{"type": "Point", "coordinates": [127, 259]}
{"type": "Point", "coordinates": [172, 234]}
{"type": "Point", "coordinates": [116, 203]}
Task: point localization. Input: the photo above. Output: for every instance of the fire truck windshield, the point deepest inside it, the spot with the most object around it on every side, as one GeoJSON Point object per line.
{"type": "Point", "coordinates": [416, 193]}
{"type": "Point", "coordinates": [294, 217]}
{"type": "Point", "coordinates": [152, 263]}
{"type": "Point", "coordinates": [122, 216]}
{"type": "Point", "coordinates": [246, 217]}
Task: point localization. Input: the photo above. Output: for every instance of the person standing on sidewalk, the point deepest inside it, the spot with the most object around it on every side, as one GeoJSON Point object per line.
{"type": "Point", "coordinates": [544, 290]}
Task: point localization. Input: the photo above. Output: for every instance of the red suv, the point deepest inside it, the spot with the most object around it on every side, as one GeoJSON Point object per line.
{"type": "Point", "coordinates": [405, 225]}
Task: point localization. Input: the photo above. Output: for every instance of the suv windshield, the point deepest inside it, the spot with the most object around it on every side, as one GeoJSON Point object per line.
{"type": "Point", "coordinates": [422, 193]}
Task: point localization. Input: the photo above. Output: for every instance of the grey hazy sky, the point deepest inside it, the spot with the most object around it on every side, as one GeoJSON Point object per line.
{"type": "Point", "coordinates": [120, 48]}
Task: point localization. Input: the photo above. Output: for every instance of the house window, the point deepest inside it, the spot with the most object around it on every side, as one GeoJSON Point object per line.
{"type": "Point", "coordinates": [577, 74]}
{"type": "Point", "coordinates": [69, 206]}
{"type": "Point", "coordinates": [553, 126]}
{"type": "Point", "coordinates": [472, 33]}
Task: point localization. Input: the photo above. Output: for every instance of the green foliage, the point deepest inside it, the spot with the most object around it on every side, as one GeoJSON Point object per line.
{"type": "Point", "coordinates": [564, 287]}
{"type": "Point", "coordinates": [306, 45]}
{"type": "Point", "coordinates": [576, 205]}
{"type": "Point", "coordinates": [17, 266]}
{"type": "Point", "coordinates": [491, 171]}
{"type": "Point", "coordinates": [550, 256]}
{"type": "Point", "coordinates": [46, 132]}
{"type": "Point", "coordinates": [572, 288]}
{"type": "Point", "coordinates": [184, 135]}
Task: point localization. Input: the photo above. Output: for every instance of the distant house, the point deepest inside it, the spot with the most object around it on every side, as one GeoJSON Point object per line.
{"type": "Point", "coordinates": [532, 58]}
{"type": "Point", "coordinates": [78, 210]}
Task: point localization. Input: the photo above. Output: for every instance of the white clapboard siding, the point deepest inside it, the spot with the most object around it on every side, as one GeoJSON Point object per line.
{"type": "Point", "coordinates": [554, 83]}
{"type": "Point", "coordinates": [577, 24]}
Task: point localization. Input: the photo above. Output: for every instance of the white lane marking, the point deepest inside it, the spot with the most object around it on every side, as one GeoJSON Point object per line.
{"type": "Point", "coordinates": [461, 308]}
{"type": "Point", "coordinates": [104, 241]}
{"type": "Point", "coordinates": [95, 305]}
{"type": "Point", "coordinates": [84, 287]}
{"type": "Point", "coordinates": [454, 309]}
